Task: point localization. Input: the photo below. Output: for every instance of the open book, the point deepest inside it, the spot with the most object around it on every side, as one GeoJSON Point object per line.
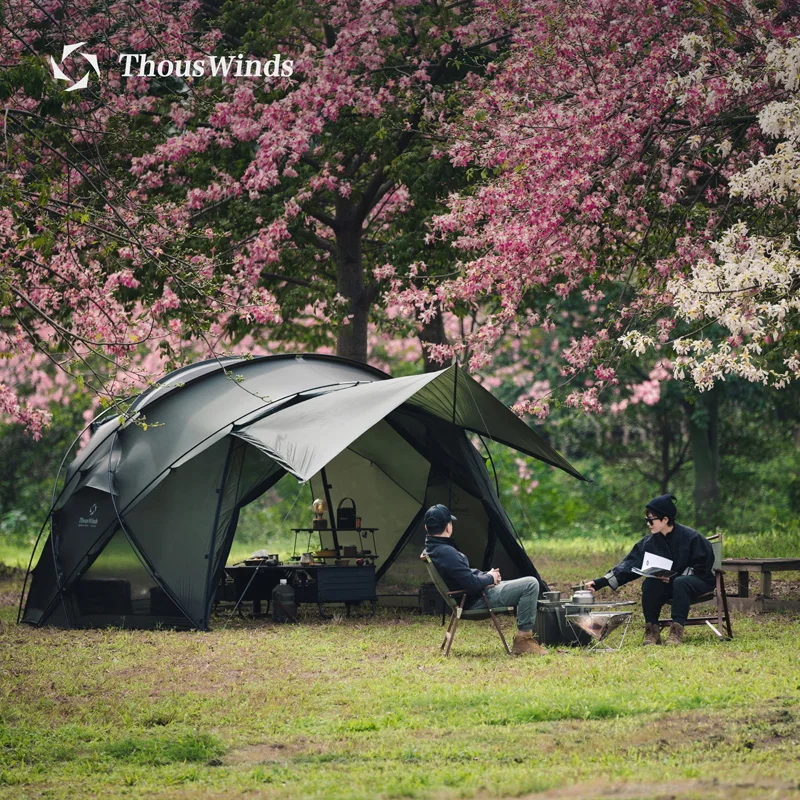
{"type": "Point", "coordinates": [654, 566]}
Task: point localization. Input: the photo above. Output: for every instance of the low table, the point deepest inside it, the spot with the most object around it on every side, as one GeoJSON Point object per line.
{"type": "Point", "coordinates": [765, 566]}
{"type": "Point", "coordinates": [317, 583]}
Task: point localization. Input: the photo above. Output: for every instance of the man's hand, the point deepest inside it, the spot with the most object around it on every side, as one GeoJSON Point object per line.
{"type": "Point", "coordinates": [589, 585]}
{"type": "Point", "coordinates": [495, 573]}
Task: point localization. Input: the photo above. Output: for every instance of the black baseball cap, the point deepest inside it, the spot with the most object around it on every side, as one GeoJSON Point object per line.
{"type": "Point", "coordinates": [437, 517]}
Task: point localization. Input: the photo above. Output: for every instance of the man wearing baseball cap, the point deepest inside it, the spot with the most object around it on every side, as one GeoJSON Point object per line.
{"type": "Point", "coordinates": [454, 568]}
{"type": "Point", "coordinates": [692, 569]}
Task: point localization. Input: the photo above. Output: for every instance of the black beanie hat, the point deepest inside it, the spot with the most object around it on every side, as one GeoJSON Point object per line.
{"type": "Point", "coordinates": [663, 506]}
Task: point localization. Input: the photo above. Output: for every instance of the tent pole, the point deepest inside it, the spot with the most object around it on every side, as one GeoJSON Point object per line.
{"type": "Point", "coordinates": [208, 597]}
{"type": "Point", "coordinates": [455, 395]}
{"type": "Point", "coordinates": [327, 487]}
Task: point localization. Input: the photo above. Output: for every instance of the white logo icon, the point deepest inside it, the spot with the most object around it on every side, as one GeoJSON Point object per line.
{"type": "Point", "coordinates": [59, 74]}
{"type": "Point", "coordinates": [94, 507]}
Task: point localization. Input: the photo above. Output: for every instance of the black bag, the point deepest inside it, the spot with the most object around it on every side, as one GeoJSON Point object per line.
{"type": "Point", "coordinates": [346, 516]}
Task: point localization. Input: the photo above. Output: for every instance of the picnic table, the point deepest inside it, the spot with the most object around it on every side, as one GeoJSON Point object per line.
{"type": "Point", "coordinates": [764, 566]}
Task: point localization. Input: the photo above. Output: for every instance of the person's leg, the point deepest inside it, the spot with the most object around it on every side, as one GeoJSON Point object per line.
{"type": "Point", "coordinates": [478, 603]}
{"type": "Point", "coordinates": [684, 589]}
{"type": "Point", "coordinates": [654, 594]}
{"type": "Point", "coordinates": [524, 594]}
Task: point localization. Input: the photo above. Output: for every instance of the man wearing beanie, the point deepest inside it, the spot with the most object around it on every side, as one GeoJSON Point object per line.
{"type": "Point", "coordinates": [692, 564]}
{"type": "Point", "coordinates": [453, 566]}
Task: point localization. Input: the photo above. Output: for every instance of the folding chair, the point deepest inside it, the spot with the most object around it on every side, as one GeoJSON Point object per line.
{"type": "Point", "coordinates": [722, 615]}
{"type": "Point", "coordinates": [458, 612]}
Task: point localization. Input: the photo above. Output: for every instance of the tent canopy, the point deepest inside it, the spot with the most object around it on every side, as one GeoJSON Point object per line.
{"type": "Point", "coordinates": [291, 435]}
{"type": "Point", "coordinates": [143, 526]}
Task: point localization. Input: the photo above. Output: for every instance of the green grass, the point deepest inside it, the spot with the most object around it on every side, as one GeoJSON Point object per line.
{"type": "Point", "coordinates": [365, 708]}
{"type": "Point", "coordinates": [15, 555]}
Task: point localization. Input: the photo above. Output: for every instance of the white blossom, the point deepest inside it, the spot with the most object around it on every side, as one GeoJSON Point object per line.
{"type": "Point", "coordinates": [637, 342]}
{"type": "Point", "coordinates": [749, 285]}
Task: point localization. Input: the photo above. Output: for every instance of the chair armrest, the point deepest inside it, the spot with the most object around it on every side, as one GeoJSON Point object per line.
{"type": "Point", "coordinates": [457, 591]}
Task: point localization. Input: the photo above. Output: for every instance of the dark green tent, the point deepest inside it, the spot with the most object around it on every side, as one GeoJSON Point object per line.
{"type": "Point", "coordinates": [148, 514]}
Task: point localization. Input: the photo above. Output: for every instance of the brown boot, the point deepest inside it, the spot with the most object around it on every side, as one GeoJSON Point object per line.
{"type": "Point", "coordinates": [652, 634]}
{"type": "Point", "coordinates": [675, 634]}
{"type": "Point", "coordinates": [525, 643]}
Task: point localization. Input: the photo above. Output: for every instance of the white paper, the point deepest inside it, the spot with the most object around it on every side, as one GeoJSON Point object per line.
{"type": "Point", "coordinates": [651, 561]}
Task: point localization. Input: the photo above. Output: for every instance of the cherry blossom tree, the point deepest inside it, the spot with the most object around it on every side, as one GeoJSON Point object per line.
{"type": "Point", "coordinates": [152, 213]}
{"type": "Point", "coordinates": [91, 287]}
{"type": "Point", "coordinates": [610, 140]}
{"type": "Point", "coordinates": [321, 187]}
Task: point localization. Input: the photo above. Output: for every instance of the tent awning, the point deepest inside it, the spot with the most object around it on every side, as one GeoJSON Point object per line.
{"type": "Point", "coordinates": [306, 436]}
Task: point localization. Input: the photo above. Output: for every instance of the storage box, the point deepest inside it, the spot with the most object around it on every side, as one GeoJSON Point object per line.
{"type": "Point", "coordinates": [430, 601]}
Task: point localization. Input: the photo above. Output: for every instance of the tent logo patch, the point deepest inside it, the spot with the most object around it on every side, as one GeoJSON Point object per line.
{"type": "Point", "coordinates": [60, 75]}
{"type": "Point", "coordinates": [91, 520]}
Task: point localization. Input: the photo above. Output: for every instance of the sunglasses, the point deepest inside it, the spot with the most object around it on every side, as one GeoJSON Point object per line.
{"type": "Point", "coordinates": [651, 520]}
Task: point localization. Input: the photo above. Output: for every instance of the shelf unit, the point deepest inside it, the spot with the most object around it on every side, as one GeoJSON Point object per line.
{"type": "Point", "coordinates": [362, 533]}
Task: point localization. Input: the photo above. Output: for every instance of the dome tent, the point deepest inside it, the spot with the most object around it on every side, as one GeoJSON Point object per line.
{"type": "Point", "coordinates": [141, 531]}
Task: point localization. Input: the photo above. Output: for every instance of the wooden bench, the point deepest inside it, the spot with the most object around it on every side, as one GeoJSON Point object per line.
{"type": "Point", "coordinates": [764, 566]}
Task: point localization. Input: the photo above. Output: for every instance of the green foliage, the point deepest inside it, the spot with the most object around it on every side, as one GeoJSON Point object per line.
{"type": "Point", "coordinates": [266, 523]}
{"type": "Point", "coordinates": [759, 486]}
{"type": "Point", "coordinates": [28, 470]}
{"type": "Point", "coordinates": [551, 503]}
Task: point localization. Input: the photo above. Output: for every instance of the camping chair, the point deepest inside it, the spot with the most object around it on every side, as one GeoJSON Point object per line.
{"type": "Point", "coordinates": [718, 593]}
{"type": "Point", "coordinates": [458, 612]}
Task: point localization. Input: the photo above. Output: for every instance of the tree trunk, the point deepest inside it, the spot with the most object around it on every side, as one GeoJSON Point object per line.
{"type": "Point", "coordinates": [666, 471]}
{"type": "Point", "coordinates": [704, 434]}
{"type": "Point", "coordinates": [433, 333]}
{"type": "Point", "coordinates": [351, 341]}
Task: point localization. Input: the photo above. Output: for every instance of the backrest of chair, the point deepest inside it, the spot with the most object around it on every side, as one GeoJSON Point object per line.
{"type": "Point", "coordinates": [438, 582]}
{"type": "Point", "coordinates": [716, 545]}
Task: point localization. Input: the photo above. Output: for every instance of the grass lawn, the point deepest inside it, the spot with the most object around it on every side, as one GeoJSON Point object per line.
{"type": "Point", "coordinates": [365, 708]}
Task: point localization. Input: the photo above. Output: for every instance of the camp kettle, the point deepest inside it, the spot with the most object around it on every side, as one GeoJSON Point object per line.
{"type": "Point", "coordinates": [583, 597]}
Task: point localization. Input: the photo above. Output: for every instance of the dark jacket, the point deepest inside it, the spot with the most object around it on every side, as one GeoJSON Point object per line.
{"type": "Point", "coordinates": [454, 568]}
{"type": "Point", "coordinates": [690, 552]}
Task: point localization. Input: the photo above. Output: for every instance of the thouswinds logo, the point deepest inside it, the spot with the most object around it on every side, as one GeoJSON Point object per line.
{"type": "Point", "coordinates": [91, 520]}
{"type": "Point", "coordinates": [59, 73]}
{"type": "Point", "coordinates": [142, 66]}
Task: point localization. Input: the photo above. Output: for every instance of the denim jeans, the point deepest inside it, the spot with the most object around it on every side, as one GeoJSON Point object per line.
{"type": "Point", "coordinates": [522, 593]}
{"type": "Point", "coordinates": [681, 591]}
